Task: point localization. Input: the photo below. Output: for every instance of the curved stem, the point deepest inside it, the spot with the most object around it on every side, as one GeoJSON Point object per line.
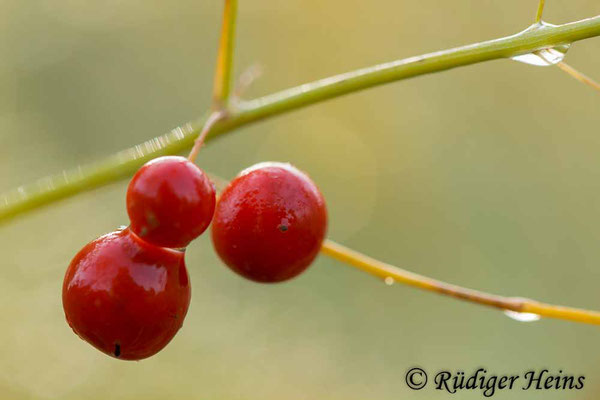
{"type": "Point", "coordinates": [520, 305]}
{"type": "Point", "coordinates": [122, 164]}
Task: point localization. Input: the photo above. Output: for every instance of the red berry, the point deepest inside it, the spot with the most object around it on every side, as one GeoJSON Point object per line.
{"type": "Point", "coordinates": [269, 223]}
{"type": "Point", "coordinates": [170, 202]}
{"type": "Point", "coordinates": [126, 297]}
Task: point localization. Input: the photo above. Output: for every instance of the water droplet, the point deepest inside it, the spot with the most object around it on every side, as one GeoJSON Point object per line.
{"type": "Point", "coordinates": [521, 316]}
{"type": "Point", "coordinates": [389, 281]}
{"type": "Point", "coordinates": [544, 57]}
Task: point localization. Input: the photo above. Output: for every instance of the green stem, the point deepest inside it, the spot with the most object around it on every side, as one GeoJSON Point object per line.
{"type": "Point", "coordinates": [540, 11]}
{"type": "Point", "coordinates": [123, 164]}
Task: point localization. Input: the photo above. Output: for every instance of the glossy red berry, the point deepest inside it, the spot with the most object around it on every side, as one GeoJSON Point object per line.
{"type": "Point", "coordinates": [269, 223]}
{"type": "Point", "coordinates": [126, 297]}
{"type": "Point", "coordinates": [170, 202]}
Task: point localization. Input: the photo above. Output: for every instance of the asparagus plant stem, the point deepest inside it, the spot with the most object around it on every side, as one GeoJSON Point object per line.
{"type": "Point", "coordinates": [540, 11]}
{"type": "Point", "coordinates": [517, 304]}
{"type": "Point", "coordinates": [124, 163]}
{"type": "Point", "coordinates": [222, 80]}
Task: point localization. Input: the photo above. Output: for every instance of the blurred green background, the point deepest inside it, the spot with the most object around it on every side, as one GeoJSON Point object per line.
{"type": "Point", "coordinates": [486, 176]}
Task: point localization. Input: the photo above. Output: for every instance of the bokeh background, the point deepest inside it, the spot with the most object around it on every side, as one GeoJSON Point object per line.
{"type": "Point", "coordinates": [486, 176]}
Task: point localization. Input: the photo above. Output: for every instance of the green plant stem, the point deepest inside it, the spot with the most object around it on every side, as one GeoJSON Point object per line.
{"type": "Point", "coordinates": [540, 11]}
{"type": "Point", "coordinates": [124, 163]}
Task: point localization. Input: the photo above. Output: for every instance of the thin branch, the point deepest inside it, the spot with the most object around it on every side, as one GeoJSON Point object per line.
{"type": "Point", "coordinates": [212, 119]}
{"type": "Point", "coordinates": [124, 163]}
{"type": "Point", "coordinates": [520, 305]}
{"type": "Point", "coordinates": [580, 76]}
{"type": "Point", "coordinates": [221, 111]}
{"type": "Point", "coordinates": [540, 11]}
{"type": "Point", "coordinates": [222, 80]}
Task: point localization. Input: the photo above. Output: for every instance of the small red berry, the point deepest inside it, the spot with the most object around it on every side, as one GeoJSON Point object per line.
{"type": "Point", "coordinates": [126, 297]}
{"type": "Point", "coordinates": [170, 202]}
{"type": "Point", "coordinates": [270, 222]}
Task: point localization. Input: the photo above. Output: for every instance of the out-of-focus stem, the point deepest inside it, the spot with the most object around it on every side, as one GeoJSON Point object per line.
{"type": "Point", "coordinates": [520, 305]}
{"type": "Point", "coordinates": [581, 77]}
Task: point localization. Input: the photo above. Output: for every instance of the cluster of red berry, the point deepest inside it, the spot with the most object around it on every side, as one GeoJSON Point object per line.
{"type": "Point", "coordinates": [127, 292]}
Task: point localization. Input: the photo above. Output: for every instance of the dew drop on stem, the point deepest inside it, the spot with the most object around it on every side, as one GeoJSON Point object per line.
{"type": "Point", "coordinates": [521, 316]}
{"type": "Point", "coordinates": [544, 57]}
{"type": "Point", "coordinates": [389, 281]}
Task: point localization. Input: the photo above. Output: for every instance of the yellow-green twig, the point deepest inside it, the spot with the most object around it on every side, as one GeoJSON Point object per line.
{"type": "Point", "coordinates": [223, 70]}
{"type": "Point", "coordinates": [540, 11]}
{"type": "Point", "coordinates": [516, 304]}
